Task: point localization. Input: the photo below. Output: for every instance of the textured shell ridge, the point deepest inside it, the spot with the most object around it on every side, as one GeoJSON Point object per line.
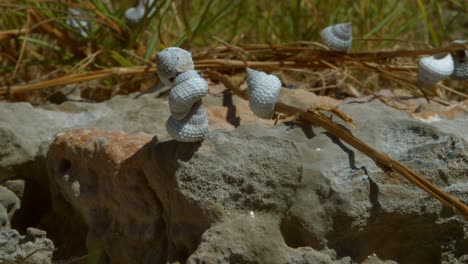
{"type": "Point", "coordinates": [461, 63]}
{"type": "Point", "coordinates": [185, 94]}
{"type": "Point", "coordinates": [433, 69]}
{"type": "Point", "coordinates": [263, 91]}
{"type": "Point", "coordinates": [461, 70]}
{"type": "Point", "coordinates": [172, 61]}
{"type": "Point", "coordinates": [193, 128]}
{"type": "Point", "coordinates": [338, 37]}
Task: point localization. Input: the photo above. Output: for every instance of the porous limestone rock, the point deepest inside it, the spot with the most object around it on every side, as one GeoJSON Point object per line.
{"type": "Point", "coordinates": [33, 248]}
{"type": "Point", "coordinates": [9, 203]}
{"type": "Point", "coordinates": [225, 198]}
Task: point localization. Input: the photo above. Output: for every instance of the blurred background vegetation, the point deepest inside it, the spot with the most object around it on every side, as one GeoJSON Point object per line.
{"type": "Point", "coordinates": [37, 43]}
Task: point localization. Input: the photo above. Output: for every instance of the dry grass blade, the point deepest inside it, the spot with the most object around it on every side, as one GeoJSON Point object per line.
{"type": "Point", "coordinates": [342, 133]}
{"type": "Point", "coordinates": [12, 33]}
{"type": "Point", "coordinates": [76, 78]}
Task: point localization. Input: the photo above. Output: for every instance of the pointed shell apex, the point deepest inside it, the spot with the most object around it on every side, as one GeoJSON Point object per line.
{"type": "Point", "coordinates": [172, 61]}
{"type": "Point", "coordinates": [434, 68]}
{"type": "Point", "coordinates": [338, 37]}
{"type": "Point", "coordinates": [263, 91]}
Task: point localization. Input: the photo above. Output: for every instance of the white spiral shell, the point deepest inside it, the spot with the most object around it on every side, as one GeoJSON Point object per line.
{"type": "Point", "coordinates": [338, 37]}
{"type": "Point", "coordinates": [434, 68]}
{"type": "Point", "coordinates": [188, 88]}
{"type": "Point", "coordinates": [192, 128]}
{"type": "Point", "coordinates": [263, 91]}
{"type": "Point", "coordinates": [461, 63]}
{"type": "Point", "coordinates": [172, 61]}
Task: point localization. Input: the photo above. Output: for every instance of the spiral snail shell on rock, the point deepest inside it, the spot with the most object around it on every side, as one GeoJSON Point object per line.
{"type": "Point", "coordinates": [338, 37]}
{"type": "Point", "coordinates": [192, 128]}
{"type": "Point", "coordinates": [263, 91]}
{"type": "Point", "coordinates": [188, 121]}
{"type": "Point", "coordinates": [171, 62]}
{"type": "Point", "coordinates": [434, 68]}
{"type": "Point", "coordinates": [188, 88]}
{"type": "Point", "coordinates": [460, 71]}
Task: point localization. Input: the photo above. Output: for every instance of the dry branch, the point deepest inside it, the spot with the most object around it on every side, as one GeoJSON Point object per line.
{"type": "Point", "coordinates": [382, 160]}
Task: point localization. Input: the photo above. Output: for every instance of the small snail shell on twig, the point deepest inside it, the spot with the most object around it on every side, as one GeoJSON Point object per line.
{"type": "Point", "coordinates": [461, 63]}
{"type": "Point", "coordinates": [263, 91]}
{"type": "Point", "coordinates": [192, 128]}
{"type": "Point", "coordinates": [434, 68]}
{"type": "Point", "coordinates": [188, 88]}
{"type": "Point", "coordinates": [188, 121]}
{"type": "Point", "coordinates": [135, 14]}
{"type": "Point", "coordinates": [338, 37]}
{"type": "Point", "coordinates": [171, 62]}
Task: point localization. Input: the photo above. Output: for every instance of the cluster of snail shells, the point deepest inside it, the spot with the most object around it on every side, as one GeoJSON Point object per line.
{"type": "Point", "coordinates": [338, 37]}
{"type": "Point", "coordinates": [188, 121]}
{"type": "Point", "coordinates": [135, 14]}
{"type": "Point", "coordinates": [263, 92]}
{"type": "Point", "coordinates": [440, 67]}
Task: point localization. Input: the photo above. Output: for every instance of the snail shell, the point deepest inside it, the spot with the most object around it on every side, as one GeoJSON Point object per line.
{"type": "Point", "coordinates": [188, 88]}
{"type": "Point", "coordinates": [461, 63]}
{"type": "Point", "coordinates": [338, 37]}
{"type": "Point", "coordinates": [192, 128]}
{"type": "Point", "coordinates": [461, 70]}
{"type": "Point", "coordinates": [135, 14]}
{"type": "Point", "coordinates": [434, 68]}
{"type": "Point", "coordinates": [263, 91]}
{"type": "Point", "coordinates": [172, 61]}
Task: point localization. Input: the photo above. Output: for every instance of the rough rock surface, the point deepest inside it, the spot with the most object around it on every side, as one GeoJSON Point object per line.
{"type": "Point", "coordinates": [9, 203]}
{"type": "Point", "coordinates": [34, 248]}
{"type": "Point", "coordinates": [287, 194]}
{"type": "Point", "coordinates": [136, 200]}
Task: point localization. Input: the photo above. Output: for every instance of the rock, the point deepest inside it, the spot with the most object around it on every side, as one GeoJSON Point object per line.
{"type": "Point", "coordinates": [33, 248]}
{"type": "Point", "coordinates": [251, 239]}
{"type": "Point", "coordinates": [291, 192]}
{"type": "Point", "coordinates": [9, 203]}
{"type": "Point", "coordinates": [307, 191]}
{"type": "Point", "coordinates": [134, 199]}
{"type": "Point", "coordinates": [16, 186]}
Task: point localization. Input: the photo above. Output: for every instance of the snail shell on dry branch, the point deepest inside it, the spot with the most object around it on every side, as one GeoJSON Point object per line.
{"type": "Point", "coordinates": [188, 88]}
{"type": "Point", "coordinates": [338, 37]}
{"type": "Point", "coordinates": [434, 68]}
{"type": "Point", "coordinates": [263, 91]}
{"type": "Point", "coordinates": [172, 61]}
{"type": "Point", "coordinates": [192, 128]}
